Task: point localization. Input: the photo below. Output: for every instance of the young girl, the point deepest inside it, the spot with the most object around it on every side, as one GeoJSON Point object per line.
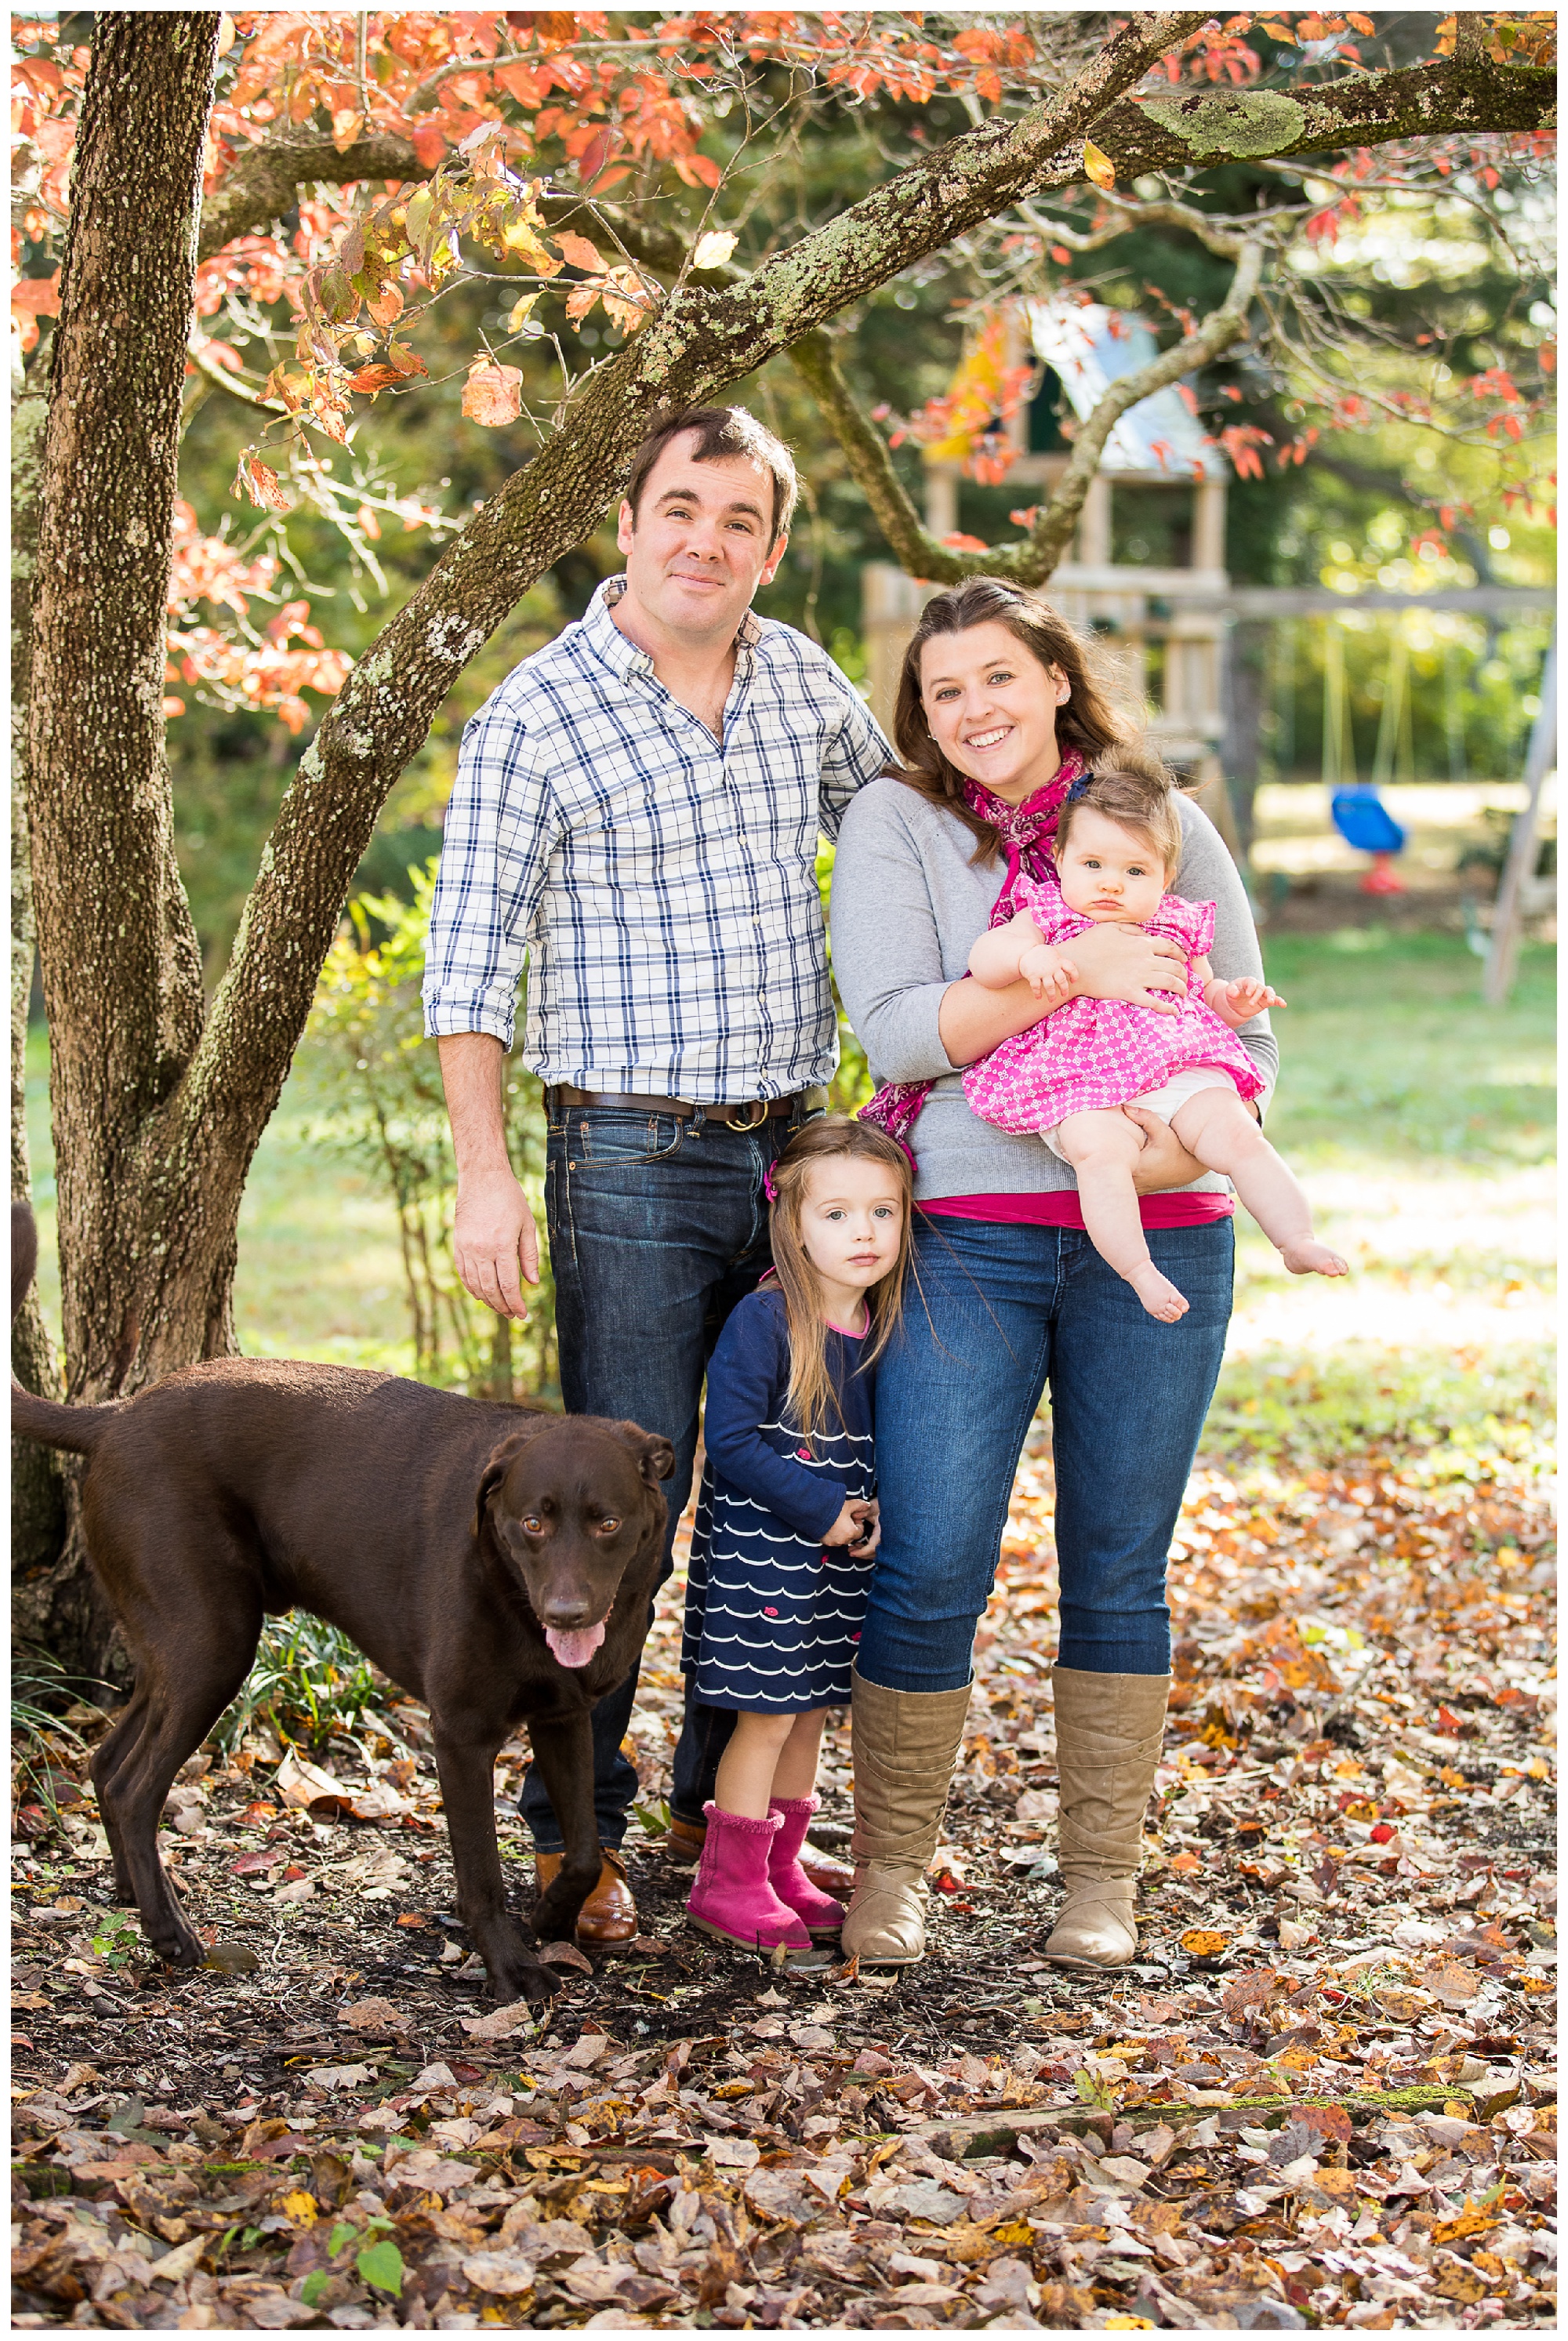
{"type": "Point", "coordinates": [788, 1519]}
{"type": "Point", "coordinates": [1118, 842]}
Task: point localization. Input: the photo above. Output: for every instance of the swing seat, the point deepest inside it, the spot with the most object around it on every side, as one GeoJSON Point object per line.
{"type": "Point", "coordinates": [1364, 822]}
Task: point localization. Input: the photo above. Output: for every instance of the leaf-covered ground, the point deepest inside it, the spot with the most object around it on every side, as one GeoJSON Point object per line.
{"type": "Point", "coordinates": [1324, 2096]}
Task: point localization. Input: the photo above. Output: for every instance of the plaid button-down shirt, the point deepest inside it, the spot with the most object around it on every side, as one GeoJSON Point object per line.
{"type": "Point", "coordinates": [662, 887]}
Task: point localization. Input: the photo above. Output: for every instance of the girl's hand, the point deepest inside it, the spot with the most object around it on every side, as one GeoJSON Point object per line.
{"type": "Point", "coordinates": [1122, 963]}
{"type": "Point", "coordinates": [1049, 976]}
{"type": "Point", "coordinates": [994, 961]}
{"type": "Point", "coordinates": [1237, 1003]}
{"type": "Point", "coordinates": [859, 1525]}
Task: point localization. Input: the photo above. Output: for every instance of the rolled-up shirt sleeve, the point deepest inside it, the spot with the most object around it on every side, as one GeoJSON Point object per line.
{"type": "Point", "coordinates": [858, 751]}
{"type": "Point", "coordinates": [502, 826]}
{"type": "Point", "coordinates": [887, 947]}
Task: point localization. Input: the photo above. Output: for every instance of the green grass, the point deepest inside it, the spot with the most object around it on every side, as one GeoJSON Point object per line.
{"type": "Point", "coordinates": [1390, 1055]}
{"type": "Point", "coordinates": [1422, 1120]}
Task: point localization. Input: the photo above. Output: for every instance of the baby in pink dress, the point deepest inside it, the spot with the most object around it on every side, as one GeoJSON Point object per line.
{"type": "Point", "coordinates": [1117, 845]}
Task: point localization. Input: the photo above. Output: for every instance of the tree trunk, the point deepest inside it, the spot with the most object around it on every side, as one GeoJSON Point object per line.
{"type": "Point", "coordinates": [144, 1282]}
{"type": "Point", "coordinates": [37, 1484]}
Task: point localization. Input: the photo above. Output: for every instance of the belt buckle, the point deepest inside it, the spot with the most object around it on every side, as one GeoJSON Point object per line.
{"type": "Point", "coordinates": [760, 1106]}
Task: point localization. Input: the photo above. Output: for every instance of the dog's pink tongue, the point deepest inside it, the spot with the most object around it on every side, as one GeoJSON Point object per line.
{"type": "Point", "coordinates": [573, 1646]}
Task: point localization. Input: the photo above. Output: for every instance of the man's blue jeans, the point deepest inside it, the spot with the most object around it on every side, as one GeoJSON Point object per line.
{"type": "Point", "coordinates": [993, 1315]}
{"type": "Point", "coordinates": [658, 1225]}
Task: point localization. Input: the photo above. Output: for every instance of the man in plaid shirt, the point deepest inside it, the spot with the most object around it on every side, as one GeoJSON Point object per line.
{"type": "Point", "coordinates": [636, 813]}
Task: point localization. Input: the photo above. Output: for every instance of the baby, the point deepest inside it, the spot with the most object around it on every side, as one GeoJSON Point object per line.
{"type": "Point", "coordinates": [1117, 846]}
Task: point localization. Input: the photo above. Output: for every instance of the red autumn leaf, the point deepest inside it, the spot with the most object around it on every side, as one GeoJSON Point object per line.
{"type": "Point", "coordinates": [493, 395]}
{"type": "Point", "coordinates": [374, 377]}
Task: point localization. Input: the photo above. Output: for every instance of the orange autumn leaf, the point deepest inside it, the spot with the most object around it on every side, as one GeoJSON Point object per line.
{"type": "Point", "coordinates": [493, 395]}
{"type": "Point", "coordinates": [1202, 1943]}
{"type": "Point", "coordinates": [578, 252]}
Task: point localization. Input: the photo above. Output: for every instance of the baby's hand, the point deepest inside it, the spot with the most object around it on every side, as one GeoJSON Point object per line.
{"type": "Point", "coordinates": [1244, 997]}
{"type": "Point", "coordinates": [1049, 976]}
{"type": "Point", "coordinates": [856, 1525]}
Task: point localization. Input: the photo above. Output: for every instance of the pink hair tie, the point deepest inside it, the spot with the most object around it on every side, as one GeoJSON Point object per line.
{"type": "Point", "coordinates": [770, 1184]}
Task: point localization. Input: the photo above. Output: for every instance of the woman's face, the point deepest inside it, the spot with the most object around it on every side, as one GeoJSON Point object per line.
{"type": "Point", "coordinates": [992, 707]}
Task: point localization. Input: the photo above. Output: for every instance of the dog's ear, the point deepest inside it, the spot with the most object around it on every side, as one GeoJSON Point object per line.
{"type": "Point", "coordinates": [656, 1456]}
{"type": "Point", "coordinates": [494, 1471]}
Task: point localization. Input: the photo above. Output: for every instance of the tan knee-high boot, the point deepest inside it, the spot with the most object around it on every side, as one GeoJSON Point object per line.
{"type": "Point", "coordinates": [1109, 1730]}
{"type": "Point", "coordinates": [904, 1743]}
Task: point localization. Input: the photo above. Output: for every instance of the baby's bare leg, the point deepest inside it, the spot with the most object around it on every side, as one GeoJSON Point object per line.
{"type": "Point", "coordinates": [1103, 1149]}
{"type": "Point", "coordinates": [1217, 1127]}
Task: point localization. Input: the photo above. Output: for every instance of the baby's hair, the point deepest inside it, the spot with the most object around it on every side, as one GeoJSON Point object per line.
{"type": "Point", "coordinates": [829, 1138]}
{"type": "Point", "coordinates": [1137, 796]}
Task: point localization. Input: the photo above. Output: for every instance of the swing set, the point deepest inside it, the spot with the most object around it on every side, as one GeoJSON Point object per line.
{"type": "Point", "coordinates": [1358, 812]}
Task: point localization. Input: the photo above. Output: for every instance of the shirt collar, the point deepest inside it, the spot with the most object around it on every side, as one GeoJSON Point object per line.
{"type": "Point", "coordinates": [621, 655]}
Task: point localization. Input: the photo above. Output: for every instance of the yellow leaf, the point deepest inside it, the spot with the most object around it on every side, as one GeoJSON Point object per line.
{"type": "Point", "coordinates": [712, 250]}
{"type": "Point", "coordinates": [492, 394]}
{"type": "Point", "coordinates": [300, 2207]}
{"type": "Point", "coordinates": [1200, 1943]}
{"type": "Point", "coordinates": [346, 125]}
{"type": "Point", "coordinates": [1099, 167]}
{"type": "Point", "coordinates": [518, 314]}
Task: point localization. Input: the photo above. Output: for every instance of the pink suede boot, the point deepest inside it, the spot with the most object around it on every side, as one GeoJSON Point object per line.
{"type": "Point", "coordinates": [818, 1912]}
{"type": "Point", "coordinates": [733, 1898]}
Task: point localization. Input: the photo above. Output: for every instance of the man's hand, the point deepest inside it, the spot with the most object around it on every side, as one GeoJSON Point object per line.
{"type": "Point", "coordinates": [859, 1526]}
{"type": "Point", "coordinates": [1049, 976]}
{"type": "Point", "coordinates": [1122, 963]}
{"type": "Point", "coordinates": [494, 1239]}
{"type": "Point", "coordinates": [1237, 1003]}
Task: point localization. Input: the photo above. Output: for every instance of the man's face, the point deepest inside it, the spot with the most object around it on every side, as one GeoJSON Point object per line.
{"type": "Point", "coordinates": [699, 546]}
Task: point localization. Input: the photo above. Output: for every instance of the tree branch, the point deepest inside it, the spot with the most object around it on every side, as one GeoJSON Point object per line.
{"type": "Point", "coordinates": [265, 180]}
{"type": "Point", "coordinates": [1033, 559]}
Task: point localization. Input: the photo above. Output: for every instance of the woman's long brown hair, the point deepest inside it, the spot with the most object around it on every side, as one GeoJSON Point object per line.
{"type": "Point", "coordinates": [811, 1396]}
{"type": "Point", "coordinates": [1088, 722]}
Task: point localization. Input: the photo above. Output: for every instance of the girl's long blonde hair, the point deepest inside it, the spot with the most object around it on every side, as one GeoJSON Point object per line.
{"type": "Point", "coordinates": [812, 1397]}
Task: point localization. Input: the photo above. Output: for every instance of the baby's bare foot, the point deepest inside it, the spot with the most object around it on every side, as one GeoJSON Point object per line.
{"type": "Point", "coordinates": [1309, 1257]}
{"type": "Point", "coordinates": [1158, 1294]}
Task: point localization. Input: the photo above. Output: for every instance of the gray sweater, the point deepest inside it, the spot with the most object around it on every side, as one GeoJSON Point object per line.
{"type": "Point", "coordinates": [908, 906]}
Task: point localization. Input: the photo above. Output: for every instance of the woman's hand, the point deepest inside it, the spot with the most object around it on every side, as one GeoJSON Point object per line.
{"type": "Point", "coordinates": [1164, 1160]}
{"type": "Point", "coordinates": [1122, 963]}
{"type": "Point", "coordinates": [859, 1526]}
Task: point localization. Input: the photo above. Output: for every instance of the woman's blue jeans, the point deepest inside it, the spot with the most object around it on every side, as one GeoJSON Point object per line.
{"type": "Point", "coordinates": [993, 1315]}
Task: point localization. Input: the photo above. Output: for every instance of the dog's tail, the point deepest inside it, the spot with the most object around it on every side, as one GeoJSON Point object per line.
{"type": "Point", "coordinates": [77, 1428]}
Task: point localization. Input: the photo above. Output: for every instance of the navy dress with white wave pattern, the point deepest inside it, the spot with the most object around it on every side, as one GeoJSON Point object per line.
{"type": "Point", "coordinates": [772, 1615]}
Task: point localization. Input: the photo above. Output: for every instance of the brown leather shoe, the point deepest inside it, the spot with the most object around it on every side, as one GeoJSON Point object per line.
{"type": "Point", "coordinates": [685, 1840]}
{"type": "Point", "coordinates": [609, 1916]}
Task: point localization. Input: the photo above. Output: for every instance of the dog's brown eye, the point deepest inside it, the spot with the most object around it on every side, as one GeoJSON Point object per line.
{"type": "Point", "coordinates": [608, 1527]}
{"type": "Point", "coordinates": [533, 1525]}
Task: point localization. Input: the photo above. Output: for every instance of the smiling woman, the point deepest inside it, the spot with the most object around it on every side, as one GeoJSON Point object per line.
{"type": "Point", "coordinates": [998, 713]}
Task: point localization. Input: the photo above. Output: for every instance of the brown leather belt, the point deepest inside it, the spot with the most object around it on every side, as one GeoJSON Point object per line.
{"type": "Point", "coordinates": [751, 1115]}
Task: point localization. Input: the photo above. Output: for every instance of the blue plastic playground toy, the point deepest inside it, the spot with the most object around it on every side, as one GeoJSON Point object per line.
{"type": "Point", "coordinates": [1365, 824]}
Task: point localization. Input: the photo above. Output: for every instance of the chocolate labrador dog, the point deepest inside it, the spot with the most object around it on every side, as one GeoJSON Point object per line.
{"type": "Point", "coordinates": [496, 1562]}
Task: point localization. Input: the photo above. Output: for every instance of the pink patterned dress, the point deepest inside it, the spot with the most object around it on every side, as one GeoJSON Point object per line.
{"type": "Point", "coordinates": [1094, 1053]}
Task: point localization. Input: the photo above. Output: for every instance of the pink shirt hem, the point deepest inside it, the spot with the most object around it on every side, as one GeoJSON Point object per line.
{"type": "Point", "coordinates": [1062, 1209]}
